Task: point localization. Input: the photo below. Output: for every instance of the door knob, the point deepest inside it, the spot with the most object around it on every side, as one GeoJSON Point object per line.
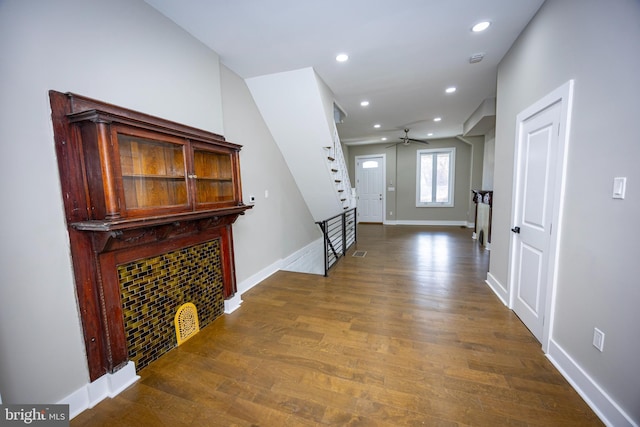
{"type": "Point", "coordinates": [516, 230]}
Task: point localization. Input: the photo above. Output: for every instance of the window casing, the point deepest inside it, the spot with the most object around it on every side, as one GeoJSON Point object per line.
{"type": "Point", "coordinates": [435, 173]}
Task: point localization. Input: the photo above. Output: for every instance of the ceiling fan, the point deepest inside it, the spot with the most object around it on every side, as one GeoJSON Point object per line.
{"type": "Point", "coordinates": [405, 140]}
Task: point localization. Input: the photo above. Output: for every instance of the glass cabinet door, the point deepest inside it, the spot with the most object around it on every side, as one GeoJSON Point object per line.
{"type": "Point", "coordinates": [213, 176]}
{"type": "Point", "coordinates": [153, 173]}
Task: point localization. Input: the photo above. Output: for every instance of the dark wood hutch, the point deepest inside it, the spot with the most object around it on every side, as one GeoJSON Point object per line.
{"type": "Point", "coordinates": [135, 185]}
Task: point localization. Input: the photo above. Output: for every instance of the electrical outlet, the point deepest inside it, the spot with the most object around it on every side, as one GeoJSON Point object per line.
{"type": "Point", "coordinates": [598, 339]}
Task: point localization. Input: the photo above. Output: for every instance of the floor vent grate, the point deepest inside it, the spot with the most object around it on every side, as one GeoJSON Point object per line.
{"type": "Point", "coordinates": [359, 254]}
{"type": "Point", "coordinates": [186, 321]}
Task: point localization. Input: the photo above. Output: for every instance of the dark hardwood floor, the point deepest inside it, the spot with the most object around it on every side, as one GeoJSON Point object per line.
{"type": "Point", "coordinates": [408, 335]}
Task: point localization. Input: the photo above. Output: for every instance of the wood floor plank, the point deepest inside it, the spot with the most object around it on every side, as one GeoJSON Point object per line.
{"type": "Point", "coordinates": [409, 335]}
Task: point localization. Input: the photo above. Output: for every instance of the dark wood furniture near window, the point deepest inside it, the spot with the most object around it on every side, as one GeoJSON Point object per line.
{"type": "Point", "coordinates": [135, 185]}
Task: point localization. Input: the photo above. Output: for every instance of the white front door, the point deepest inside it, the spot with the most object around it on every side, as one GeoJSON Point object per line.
{"type": "Point", "coordinates": [369, 188]}
{"type": "Point", "coordinates": [538, 177]}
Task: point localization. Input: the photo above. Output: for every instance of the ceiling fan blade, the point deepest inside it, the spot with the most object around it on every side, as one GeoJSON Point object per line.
{"type": "Point", "coordinates": [417, 140]}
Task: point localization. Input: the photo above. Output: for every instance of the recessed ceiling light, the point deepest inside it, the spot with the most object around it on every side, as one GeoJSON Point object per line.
{"type": "Point", "coordinates": [364, 103]}
{"type": "Point", "coordinates": [450, 89]}
{"type": "Point", "coordinates": [430, 134]}
{"type": "Point", "coordinates": [384, 139]}
{"type": "Point", "coordinates": [342, 57]}
{"type": "Point", "coordinates": [437, 119]}
{"type": "Point", "coordinates": [377, 125]}
{"type": "Point", "coordinates": [480, 26]}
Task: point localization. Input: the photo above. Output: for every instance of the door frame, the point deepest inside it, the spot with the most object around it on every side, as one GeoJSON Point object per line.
{"type": "Point", "coordinates": [564, 96]}
{"type": "Point", "coordinates": [384, 181]}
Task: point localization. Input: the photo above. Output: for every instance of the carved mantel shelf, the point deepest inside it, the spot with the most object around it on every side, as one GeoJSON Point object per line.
{"type": "Point", "coordinates": [213, 216]}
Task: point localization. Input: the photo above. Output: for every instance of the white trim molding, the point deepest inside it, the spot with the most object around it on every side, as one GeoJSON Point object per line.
{"type": "Point", "coordinates": [497, 288]}
{"type": "Point", "coordinates": [309, 259]}
{"type": "Point", "coordinates": [258, 277]}
{"type": "Point", "coordinates": [303, 254]}
{"type": "Point", "coordinates": [427, 222]}
{"type": "Point", "coordinates": [602, 404]}
{"type": "Point", "coordinates": [232, 304]}
{"type": "Point", "coordinates": [449, 151]}
{"type": "Point", "coordinates": [108, 385]}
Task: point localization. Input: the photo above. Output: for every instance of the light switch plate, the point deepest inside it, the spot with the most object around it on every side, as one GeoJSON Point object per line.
{"type": "Point", "coordinates": [598, 339]}
{"type": "Point", "coordinates": [619, 187]}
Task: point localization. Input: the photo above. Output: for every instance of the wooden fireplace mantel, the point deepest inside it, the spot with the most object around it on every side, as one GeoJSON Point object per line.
{"type": "Point", "coordinates": [136, 186]}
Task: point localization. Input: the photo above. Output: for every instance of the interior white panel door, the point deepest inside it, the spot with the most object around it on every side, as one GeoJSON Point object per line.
{"type": "Point", "coordinates": [535, 186]}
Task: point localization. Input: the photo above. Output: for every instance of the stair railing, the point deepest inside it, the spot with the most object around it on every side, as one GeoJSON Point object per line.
{"type": "Point", "coordinates": [339, 234]}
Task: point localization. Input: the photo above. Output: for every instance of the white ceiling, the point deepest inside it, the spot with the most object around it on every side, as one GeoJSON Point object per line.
{"type": "Point", "coordinates": [403, 54]}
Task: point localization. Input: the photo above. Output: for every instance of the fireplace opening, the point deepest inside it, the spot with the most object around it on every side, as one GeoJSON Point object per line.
{"type": "Point", "coordinates": [154, 288]}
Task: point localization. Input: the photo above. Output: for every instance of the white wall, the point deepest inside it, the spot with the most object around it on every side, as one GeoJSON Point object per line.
{"type": "Point", "coordinates": [281, 223]}
{"type": "Point", "coordinates": [298, 109]}
{"type": "Point", "coordinates": [126, 53]}
{"type": "Point", "coordinates": [488, 161]}
{"type": "Point", "coordinates": [596, 43]}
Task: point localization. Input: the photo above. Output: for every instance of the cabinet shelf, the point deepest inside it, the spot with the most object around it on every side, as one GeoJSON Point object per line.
{"type": "Point", "coordinates": [147, 176]}
{"type": "Point", "coordinates": [206, 178]}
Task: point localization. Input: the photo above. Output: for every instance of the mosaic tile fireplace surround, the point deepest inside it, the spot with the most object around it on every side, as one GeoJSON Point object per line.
{"type": "Point", "coordinates": [152, 289]}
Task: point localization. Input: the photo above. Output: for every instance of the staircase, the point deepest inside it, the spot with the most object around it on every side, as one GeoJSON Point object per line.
{"type": "Point", "coordinates": [299, 110]}
{"type": "Point", "coordinates": [338, 167]}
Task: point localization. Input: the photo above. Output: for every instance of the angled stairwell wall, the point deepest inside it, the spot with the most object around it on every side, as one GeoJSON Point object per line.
{"type": "Point", "coordinates": [298, 108]}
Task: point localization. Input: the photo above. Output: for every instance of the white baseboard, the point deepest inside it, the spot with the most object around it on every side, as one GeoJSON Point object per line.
{"type": "Point", "coordinates": [601, 403]}
{"type": "Point", "coordinates": [258, 277]}
{"type": "Point", "coordinates": [232, 304]}
{"type": "Point", "coordinates": [426, 222]}
{"type": "Point", "coordinates": [497, 288]}
{"type": "Point", "coordinates": [309, 259]}
{"type": "Point", "coordinates": [108, 385]}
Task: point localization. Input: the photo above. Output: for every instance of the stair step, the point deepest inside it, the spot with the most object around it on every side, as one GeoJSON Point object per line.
{"type": "Point", "coordinates": [331, 159]}
{"type": "Point", "coordinates": [342, 200]}
{"type": "Point", "coordinates": [338, 180]}
{"type": "Point", "coordinates": [334, 170]}
{"type": "Point", "coordinates": [327, 148]}
{"type": "Point", "coordinates": [341, 190]}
